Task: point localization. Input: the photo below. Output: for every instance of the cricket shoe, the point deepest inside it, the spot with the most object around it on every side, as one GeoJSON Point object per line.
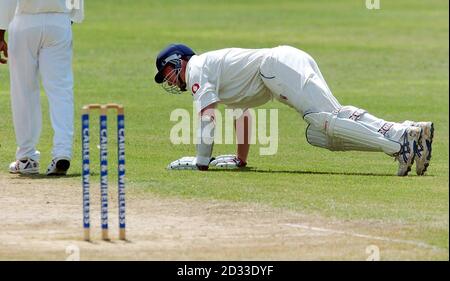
{"type": "Point", "coordinates": [409, 146]}
{"type": "Point", "coordinates": [58, 167]}
{"type": "Point", "coordinates": [25, 166]}
{"type": "Point", "coordinates": [424, 150]}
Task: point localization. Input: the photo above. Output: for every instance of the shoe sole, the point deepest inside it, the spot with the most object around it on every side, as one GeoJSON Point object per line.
{"type": "Point", "coordinates": [61, 168]}
{"type": "Point", "coordinates": [405, 173]}
{"type": "Point", "coordinates": [429, 148]}
{"type": "Point", "coordinates": [32, 172]}
{"type": "Point", "coordinates": [408, 169]}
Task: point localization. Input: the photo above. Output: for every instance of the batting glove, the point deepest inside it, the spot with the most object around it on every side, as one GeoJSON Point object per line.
{"type": "Point", "coordinates": [186, 163]}
{"type": "Point", "coordinates": [228, 162]}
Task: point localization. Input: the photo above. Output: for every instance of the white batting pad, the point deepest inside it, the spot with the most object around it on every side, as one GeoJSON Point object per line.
{"type": "Point", "coordinates": [318, 138]}
{"type": "Point", "coordinates": [352, 131]}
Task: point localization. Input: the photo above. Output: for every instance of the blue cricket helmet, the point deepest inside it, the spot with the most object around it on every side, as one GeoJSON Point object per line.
{"type": "Point", "coordinates": [171, 54]}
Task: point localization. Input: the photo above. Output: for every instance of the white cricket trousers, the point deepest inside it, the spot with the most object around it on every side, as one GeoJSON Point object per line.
{"type": "Point", "coordinates": [286, 71]}
{"type": "Point", "coordinates": [295, 79]}
{"type": "Point", "coordinates": [40, 45]}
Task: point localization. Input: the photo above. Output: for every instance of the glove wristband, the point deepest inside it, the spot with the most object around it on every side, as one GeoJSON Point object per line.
{"type": "Point", "coordinates": [241, 163]}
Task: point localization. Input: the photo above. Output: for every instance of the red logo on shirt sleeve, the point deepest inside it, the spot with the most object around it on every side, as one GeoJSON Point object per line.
{"type": "Point", "coordinates": [195, 88]}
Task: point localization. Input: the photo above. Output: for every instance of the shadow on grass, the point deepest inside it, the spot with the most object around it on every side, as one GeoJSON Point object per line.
{"type": "Point", "coordinates": [42, 176]}
{"type": "Point", "coordinates": [254, 170]}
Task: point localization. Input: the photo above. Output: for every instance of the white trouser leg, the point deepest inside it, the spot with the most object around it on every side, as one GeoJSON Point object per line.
{"type": "Point", "coordinates": [55, 66]}
{"type": "Point", "coordinates": [24, 38]}
{"type": "Point", "coordinates": [295, 79]}
{"type": "Point", "coordinates": [391, 130]}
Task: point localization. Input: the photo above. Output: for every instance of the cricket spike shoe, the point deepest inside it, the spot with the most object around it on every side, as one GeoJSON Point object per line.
{"type": "Point", "coordinates": [409, 147]}
{"type": "Point", "coordinates": [423, 156]}
{"type": "Point", "coordinates": [58, 167]}
{"type": "Point", "coordinates": [25, 166]}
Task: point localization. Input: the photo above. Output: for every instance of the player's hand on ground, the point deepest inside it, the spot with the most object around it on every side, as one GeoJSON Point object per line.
{"type": "Point", "coordinates": [186, 163]}
{"type": "Point", "coordinates": [4, 50]}
{"type": "Point", "coordinates": [228, 162]}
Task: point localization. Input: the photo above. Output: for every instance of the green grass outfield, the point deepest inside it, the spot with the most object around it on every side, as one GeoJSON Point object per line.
{"type": "Point", "coordinates": [393, 62]}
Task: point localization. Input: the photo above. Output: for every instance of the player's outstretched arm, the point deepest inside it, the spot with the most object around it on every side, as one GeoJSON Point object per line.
{"type": "Point", "coordinates": [205, 142]}
{"type": "Point", "coordinates": [205, 137]}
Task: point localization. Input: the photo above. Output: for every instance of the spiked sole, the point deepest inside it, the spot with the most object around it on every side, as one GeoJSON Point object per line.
{"type": "Point", "coordinates": [429, 148]}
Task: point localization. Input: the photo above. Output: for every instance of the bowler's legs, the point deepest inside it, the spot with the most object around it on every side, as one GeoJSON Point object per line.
{"type": "Point", "coordinates": [55, 59]}
{"type": "Point", "coordinates": [25, 95]}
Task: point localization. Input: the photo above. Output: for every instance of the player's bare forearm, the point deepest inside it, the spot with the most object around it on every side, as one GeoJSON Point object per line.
{"type": "Point", "coordinates": [243, 132]}
{"type": "Point", "coordinates": [242, 151]}
{"type": "Point", "coordinates": [3, 47]}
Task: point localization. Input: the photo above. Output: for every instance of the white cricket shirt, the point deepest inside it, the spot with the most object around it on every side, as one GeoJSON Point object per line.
{"type": "Point", "coordinates": [228, 76]}
{"type": "Point", "coordinates": [10, 7]}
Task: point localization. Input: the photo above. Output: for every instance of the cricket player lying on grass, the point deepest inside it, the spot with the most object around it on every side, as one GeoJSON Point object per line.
{"type": "Point", "coordinates": [246, 78]}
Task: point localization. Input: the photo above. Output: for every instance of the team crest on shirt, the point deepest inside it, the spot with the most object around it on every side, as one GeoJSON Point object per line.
{"type": "Point", "coordinates": [195, 88]}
